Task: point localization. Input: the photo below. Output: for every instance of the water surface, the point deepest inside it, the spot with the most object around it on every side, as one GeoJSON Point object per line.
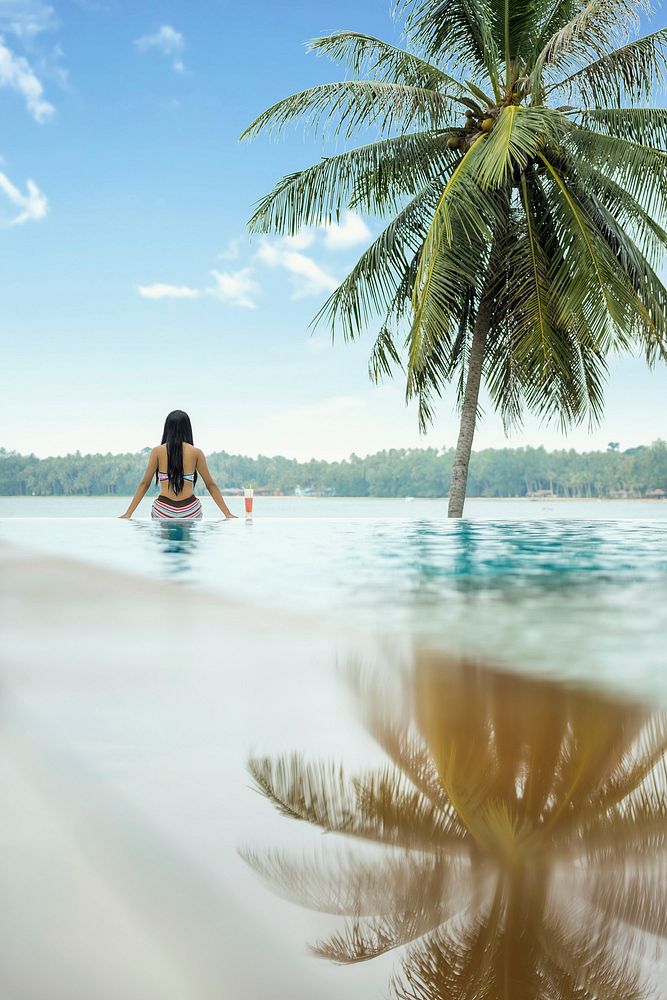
{"type": "Point", "coordinates": [488, 817]}
{"type": "Point", "coordinates": [579, 596]}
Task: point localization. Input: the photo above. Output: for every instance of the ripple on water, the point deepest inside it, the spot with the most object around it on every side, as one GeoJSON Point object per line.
{"type": "Point", "coordinates": [575, 597]}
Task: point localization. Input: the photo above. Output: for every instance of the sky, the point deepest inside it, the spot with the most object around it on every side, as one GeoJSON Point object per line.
{"type": "Point", "coordinates": [129, 284]}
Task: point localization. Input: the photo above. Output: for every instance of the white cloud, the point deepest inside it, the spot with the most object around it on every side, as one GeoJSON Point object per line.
{"type": "Point", "coordinates": [17, 74]}
{"type": "Point", "coordinates": [300, 241]}
{"type": "Point", "coordinates": [349, 233]}
{"type": "Point", "coordinates": [168, 41]}
{"type": "Point", "coordinates": [162, 291]}
{"type": "Point", "coordinates": [32, 205]}
{"type": "Point", "coordinates": [236, 288]}
{"type": "Point", "coordinates": [232, 250]}
{"type": "Point", "coordinates": [308, 278]}
{"type": "Point", "coordinates": [26, 18]}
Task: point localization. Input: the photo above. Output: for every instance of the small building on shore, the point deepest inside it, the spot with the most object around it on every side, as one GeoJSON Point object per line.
{"type": "Point", "coordinates": [541, 494]}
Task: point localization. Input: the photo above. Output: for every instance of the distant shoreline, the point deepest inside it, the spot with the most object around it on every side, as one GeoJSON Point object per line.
{"type": "Point", "coordinates": [508, 473]}
{"type": "Point", "coordinates": [288, 496]}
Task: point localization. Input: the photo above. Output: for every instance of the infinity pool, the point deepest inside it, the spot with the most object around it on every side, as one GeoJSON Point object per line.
{"type": "Point", "coordinates": [577, 597]}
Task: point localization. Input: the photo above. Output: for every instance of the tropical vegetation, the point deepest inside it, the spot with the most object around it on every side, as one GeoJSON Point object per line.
{"type": "Point", "coordinates": [398, 472]}
{"type": "Point", "coordinates": [524, 176]}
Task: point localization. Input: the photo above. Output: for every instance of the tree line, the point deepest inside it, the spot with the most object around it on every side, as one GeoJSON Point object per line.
{"type": "Point", "coordinates": [397, 472]}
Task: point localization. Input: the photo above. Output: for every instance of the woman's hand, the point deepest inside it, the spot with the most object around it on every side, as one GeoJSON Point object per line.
{"type": "Point", "coordinates": [125, 517]}
{"type": "Point", "coordinates": [231, 517]}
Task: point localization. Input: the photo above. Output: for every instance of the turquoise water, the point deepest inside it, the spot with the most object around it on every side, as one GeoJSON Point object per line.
{"type": "Point", "coordinates": [409, 508]}
{"type": "Point", "coordinates": [577, 589]}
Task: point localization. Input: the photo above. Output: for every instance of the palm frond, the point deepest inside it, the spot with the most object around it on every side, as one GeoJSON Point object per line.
{"type": "Point", "coordinates": [452, 266]}
{"type": "Point", "coordinates": [439, 362]}
{"type": "Point", "coordinates": [589, 273]}
{"type": "Point", "coordinates": [646, 126]}
{"type": "Point", "coordinates": [516, 138]}
{"type": "Point", "coordinates": [375, 178]}
{"type": "Point", "coordinates": [587, 963]}
{"type": "Point", "coordinates": [363, 939]}
{"type": "Point", "coordinates": [458, 961]}
{"type": "Point", "coordinates": [318, 793]}
{"type": "Point", "coordinates": [567, 399]}
{"type": "Point", "coordinates": [346, 107]}
{"type": "Point", "coordinates": [407, 750]}
{"type": "Point", "coordinates": [591, 32]}
{"type": "Point", "coordinates": [640, 224]}
{"type": "Point", "coordinates": [504, 380]}
{"type": "Point", "coordinates": [457, 32]}
{"type": "Point", "coordinates": [636, 900]}
{"type": "Point", "coordinates": [554, 16]}
{"type": "Point", "coordinates": [346, 884]}
{"type": "Point", "coordinates": [637, 767]}
{"type": "Point", "coordinates": [387, 798]}
{"type": "Point", "coordinates": [637, 831]}
{"type": "Point", "coordinates": [365, 55]}
{"type": "Point", "coordinates": [384, 356]}
{"type": "Point", "coordinates": [437, 341]}
{"type": "Point", "coordinates": [379, 806]}
{"type": "Point", "coordinates": [371, 286]}
{"type": "Point", "coordinates": [513, 25]}
{"type": "Point", "coordinates": [643, 284]}
{"type": "Point", "coordinates": [461, 201]}
{"type": "Point", "coordinates": [629, 72]}
{"type": "Point", "coordinates": [530, 356]}
{"type": "Point", "coordinates": [640, 170]}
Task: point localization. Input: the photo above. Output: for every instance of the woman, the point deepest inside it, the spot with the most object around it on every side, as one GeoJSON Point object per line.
{"type": "Point", "coordinates": [168, 463]}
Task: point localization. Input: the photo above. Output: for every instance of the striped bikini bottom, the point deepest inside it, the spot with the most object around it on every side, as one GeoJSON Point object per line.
{"type": "Point", "coordinates": [165, 509]}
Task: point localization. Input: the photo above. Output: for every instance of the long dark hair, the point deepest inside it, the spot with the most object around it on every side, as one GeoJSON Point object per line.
{"type": "Point", "coordinates": [177, 429]}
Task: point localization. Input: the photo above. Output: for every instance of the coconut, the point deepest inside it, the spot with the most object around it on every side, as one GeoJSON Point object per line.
{"type": "Point", "coordinates": [487, 124]}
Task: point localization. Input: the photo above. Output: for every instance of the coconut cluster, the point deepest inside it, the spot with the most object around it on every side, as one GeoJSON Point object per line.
{"type": "Point", "coordinates": [477, 123]}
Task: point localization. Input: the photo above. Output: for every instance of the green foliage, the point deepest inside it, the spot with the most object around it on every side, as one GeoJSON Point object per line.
{"type": "Point", "coordinates": [398, 472]}
{"type": "Point", "coordinates": [516, 169]}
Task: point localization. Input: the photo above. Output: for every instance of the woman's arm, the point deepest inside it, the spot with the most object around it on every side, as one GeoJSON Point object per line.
{"type": "Point", "coordinates": [146, 480]}
{"type": "Point", "coordinates": [211, 485]}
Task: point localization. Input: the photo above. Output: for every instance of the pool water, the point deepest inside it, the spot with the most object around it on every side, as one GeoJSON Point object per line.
{"type": "Point", "coordinates": [577, 596]}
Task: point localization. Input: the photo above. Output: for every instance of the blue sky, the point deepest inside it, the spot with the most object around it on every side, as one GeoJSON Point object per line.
{"type": "Point", "coordinates": [129, 286]}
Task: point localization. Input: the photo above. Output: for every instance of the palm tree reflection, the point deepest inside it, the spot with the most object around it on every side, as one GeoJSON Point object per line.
{"type": "Point", "coordinates": [518, 832]}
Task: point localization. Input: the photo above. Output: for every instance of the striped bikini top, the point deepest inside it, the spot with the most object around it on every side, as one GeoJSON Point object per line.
{"type": "Point", "coordinates": [163, 476]}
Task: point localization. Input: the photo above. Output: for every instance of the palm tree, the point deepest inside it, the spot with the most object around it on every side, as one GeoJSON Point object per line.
{"type": "Point", "coordinates": [525, 184]}
{"type": "Point", "coordinates": [519, 833]}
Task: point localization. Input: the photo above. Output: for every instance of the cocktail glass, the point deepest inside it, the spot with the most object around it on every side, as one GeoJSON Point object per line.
{"type": "Point", "coordinates": [248, 495]}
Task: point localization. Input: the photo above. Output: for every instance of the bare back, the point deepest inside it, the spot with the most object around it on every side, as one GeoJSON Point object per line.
{"type": "Point", "coordinates": [190, 455]}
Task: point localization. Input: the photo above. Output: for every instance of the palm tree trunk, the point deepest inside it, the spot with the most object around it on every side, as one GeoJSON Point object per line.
{"type": "Point", "coordinates": [457, 490]}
